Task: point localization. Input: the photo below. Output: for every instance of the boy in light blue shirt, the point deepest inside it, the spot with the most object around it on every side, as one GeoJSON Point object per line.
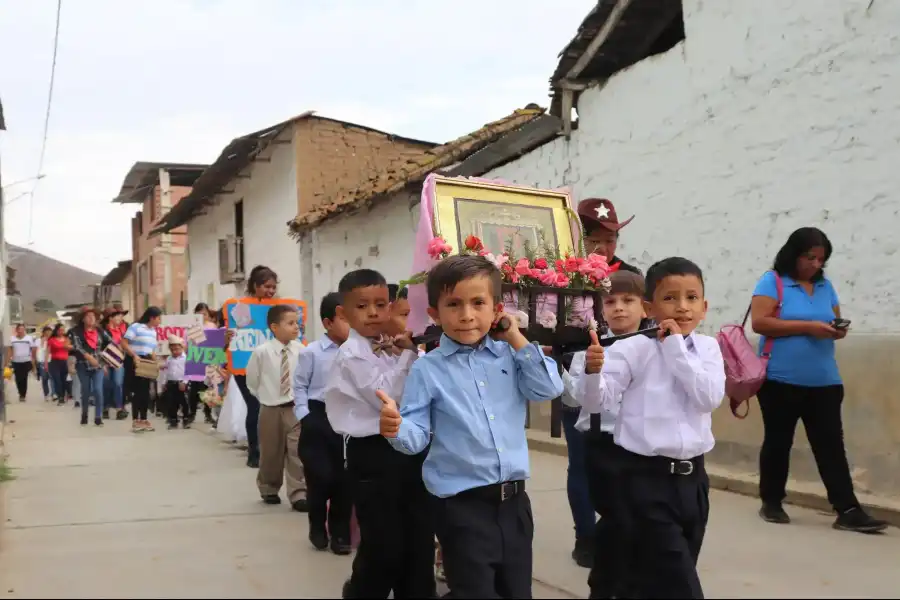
{"type": "Point", "coordinates": [471, 393]}
{"type": "Point", "coordinates": [320, 448]}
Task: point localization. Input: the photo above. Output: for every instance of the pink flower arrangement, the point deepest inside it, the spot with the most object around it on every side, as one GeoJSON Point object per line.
{"type": "Point", "coordinates": [438, 248]}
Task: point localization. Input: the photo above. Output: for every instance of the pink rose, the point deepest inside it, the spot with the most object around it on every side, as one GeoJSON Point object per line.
{"type": "Point", "coordinates": [560, 265]}
{"type": "Point", "coordinates": [540, 263]}
{"type": "Point", "coordinates": [596, 260]}
{"type": "Point", "coordinates": [523, 267]}
{"type": "Point", "coordinates": [585, 269]}
{"type": "Point", "coordinates": [547, 278]}
{"type": "Point", "coordinates": [438, 247]}
{"type": "Point", "coordinates": [571, 264]}
{"type": "Point", "coordinates": [562, 280]}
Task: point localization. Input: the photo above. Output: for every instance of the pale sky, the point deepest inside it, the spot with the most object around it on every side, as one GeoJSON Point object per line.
{"type": "Point", "coordinates": [176, 80]}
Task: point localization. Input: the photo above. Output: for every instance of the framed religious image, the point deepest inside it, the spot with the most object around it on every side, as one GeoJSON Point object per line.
{"type": "Point", "coordinates": [501, 214]}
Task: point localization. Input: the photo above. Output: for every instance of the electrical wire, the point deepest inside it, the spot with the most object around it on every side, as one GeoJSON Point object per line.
{"type": "Point", "coordinates": [46, 123]}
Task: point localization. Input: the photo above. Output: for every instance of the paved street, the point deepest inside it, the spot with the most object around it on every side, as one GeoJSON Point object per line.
{"type": "Point", "coordinates": [102, 513]}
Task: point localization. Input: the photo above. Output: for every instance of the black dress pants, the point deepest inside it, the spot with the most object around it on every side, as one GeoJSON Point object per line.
{"type": "Point", "coordinates": [252, 420]}
{"type": "Point", "coordinates": [486, 542]}
{"type": "Point", "coordinates": [669, 504]}
{"type": "Point", "coordinates": [321, 451]}
{"type": "Point", "coordinates": [782, 405]}
{"type": "Point", "coordinates": [611, 575]}
{"type": "Point", "coordinates": [396, 547]}
{"type": "Point", "coordinates": [176, 399]}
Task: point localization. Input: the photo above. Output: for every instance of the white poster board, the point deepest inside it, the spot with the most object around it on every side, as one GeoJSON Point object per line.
{"type": "Point", "coordinates": [177, 325]}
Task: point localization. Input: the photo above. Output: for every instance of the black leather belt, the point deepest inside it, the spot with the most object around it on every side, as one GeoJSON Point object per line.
{"type": "Point", "coordinates": [496, 492]}
{"type": "Point", "coordinates": [669, 466]}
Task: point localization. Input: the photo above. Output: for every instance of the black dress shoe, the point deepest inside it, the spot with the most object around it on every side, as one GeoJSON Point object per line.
{"type": "Point", "coordinates": [84, 419]}
{"type": "Point", "coordinates": [340, 547]}
{"type": "Point", "coordinates": [300, 505]}
{"type": "Point", "coordinates": [272, 499]}
{"type": "Point", "coordinates": [253, 462]}
{"type": "Point", "coordinates": [774, 513]}
{"type": "Point", "coordinates": [347, 590]}
{"type": "Point", "coordinates": [319, 539]}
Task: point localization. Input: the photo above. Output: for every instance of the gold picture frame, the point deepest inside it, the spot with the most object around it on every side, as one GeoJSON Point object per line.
{"type": "Point", "coordinates": [497, 212]}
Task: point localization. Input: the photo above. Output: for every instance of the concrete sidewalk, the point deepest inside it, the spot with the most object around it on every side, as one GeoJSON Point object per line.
{"type": "Point", "coordinates": [104, 513]}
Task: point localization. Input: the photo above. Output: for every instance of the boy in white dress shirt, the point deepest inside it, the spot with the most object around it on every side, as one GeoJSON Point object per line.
{"type": "Point", "coordinates": [666, 390]}
{"type": "Point", "coordinates": [269, 379]}
{"type": "Point", "coordinates": [610, 575]}
{"type": "Point", "coordinates": [174, 385]}
{"type": "Point", "coordinates": [396, 547]}
{"type": "Point", "coordinates": [321, 449]}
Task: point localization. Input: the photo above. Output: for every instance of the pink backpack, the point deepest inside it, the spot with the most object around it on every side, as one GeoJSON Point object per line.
{"type": "Point", "coordinates": [745, 372]}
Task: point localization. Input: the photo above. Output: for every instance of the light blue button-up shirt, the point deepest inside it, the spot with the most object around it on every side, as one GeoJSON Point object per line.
{"type": "Point", "coordinates": [311, 374]}
{"type": "Point", "coordinates": [473, 400]}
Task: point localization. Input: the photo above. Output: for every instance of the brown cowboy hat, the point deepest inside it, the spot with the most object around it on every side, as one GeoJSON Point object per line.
{"type": "Point", "coordinates": [84, 310]}
{"type": "Point", "coordinates": [602, 212]}
{"type": "Point", "coordinates": [115, 309]}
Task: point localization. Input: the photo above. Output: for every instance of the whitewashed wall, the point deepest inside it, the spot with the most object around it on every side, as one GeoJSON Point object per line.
{"type": "Point", "coordinates": [769, 117]}
{"type": "Point", "coordinates": [380, 239]}
{"type": "Point", "coordinates": [270, 201]}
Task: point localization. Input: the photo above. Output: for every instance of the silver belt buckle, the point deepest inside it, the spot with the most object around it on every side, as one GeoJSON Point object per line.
{"type": "Point", "coordinates": [689, 469]}
{"type": "Point", "coordinates": [503, 493]}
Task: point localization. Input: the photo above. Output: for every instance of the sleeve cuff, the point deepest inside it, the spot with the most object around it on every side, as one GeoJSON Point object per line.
{"type": "Point", "coordinates": [530, 354]}
{"type": "Point", "coordinates": [674, 345]}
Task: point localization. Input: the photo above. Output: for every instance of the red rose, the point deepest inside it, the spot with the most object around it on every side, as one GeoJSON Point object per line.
{"type": "Point", "coordinates": [540, 263]}
{"type": "Point", "coordinates": [473, 243]}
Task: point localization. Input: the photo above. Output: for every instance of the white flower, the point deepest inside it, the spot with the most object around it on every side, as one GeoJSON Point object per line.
{"type": "Point", "coordinates": [497, 260]}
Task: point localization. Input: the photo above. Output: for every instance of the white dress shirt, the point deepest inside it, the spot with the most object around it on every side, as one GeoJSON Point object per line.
{"type": "Point", "coordinates": [571, 398]}
{"type": "Point", "coordinates": [264, 371]}
{"type": "Point", "coordinates": [665, 392]}
{"type": "Point", "coordinates": [357, 373]}
{"type": "Point", "coordinates": [174, 370]}
{"type": "Point", "coordinates": [311, 374]}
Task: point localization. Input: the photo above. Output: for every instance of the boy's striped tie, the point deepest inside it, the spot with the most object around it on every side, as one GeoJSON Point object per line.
{"type": "Point", "coordinates": [285, 373]}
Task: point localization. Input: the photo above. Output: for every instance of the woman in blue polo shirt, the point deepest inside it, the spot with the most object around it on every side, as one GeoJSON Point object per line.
{"type": "Point", "coordinates": [803, 381]}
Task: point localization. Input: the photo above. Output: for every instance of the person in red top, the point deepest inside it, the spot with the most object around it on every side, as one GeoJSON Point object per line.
{"type": "Point", "coordinates": [88, 342]}
{"type": "Point", "coordinates": [113, 383]}
{"type": "Point", "coordinates": [57, 364]}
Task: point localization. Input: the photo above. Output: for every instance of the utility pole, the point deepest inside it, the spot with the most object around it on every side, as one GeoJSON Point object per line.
{"type": "Point", "coordinates": [3, 303]}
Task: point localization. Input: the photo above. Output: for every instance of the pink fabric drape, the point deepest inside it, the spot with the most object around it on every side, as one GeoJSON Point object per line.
{"type": "Point", "coordinates": [418, 297]}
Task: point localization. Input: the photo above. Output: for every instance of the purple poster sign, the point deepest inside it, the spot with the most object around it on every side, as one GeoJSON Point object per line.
{"type": "Point", "coordinates": [207, 352]}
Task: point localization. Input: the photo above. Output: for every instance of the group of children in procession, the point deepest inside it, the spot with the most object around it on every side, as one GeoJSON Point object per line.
{"type": "Point", "coordinates": [426, 445]}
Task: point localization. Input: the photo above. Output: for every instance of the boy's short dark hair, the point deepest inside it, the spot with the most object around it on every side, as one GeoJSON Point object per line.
{"type": "Point", "coordinates": [277, 312]}
{"type": "Point", "coordinates": [359, 279]}
{"type": "Point", "coordinates": [667, 267]}
{"type": "Point", "coordinates": [450, 271]}
{"type": "Point", "coordinates": [395, 292]}
{"type": "Point", "coordinates": [626, 282]}
{"type": "Point", "coordinates": [328, 306]}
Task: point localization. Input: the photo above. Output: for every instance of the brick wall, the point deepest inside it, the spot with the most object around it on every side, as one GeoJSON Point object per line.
{"type": "Point", "coordinates": [150, 249]}
{"type": "Point", "coordinates": [333, 157]}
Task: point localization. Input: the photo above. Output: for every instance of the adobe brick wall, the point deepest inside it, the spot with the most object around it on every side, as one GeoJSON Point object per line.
{"type": "Point", "coordinates": [334, 157]}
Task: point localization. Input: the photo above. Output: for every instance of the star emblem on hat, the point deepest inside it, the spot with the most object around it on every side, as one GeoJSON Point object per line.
{"type": "Point", "coordinates": [602, 212]}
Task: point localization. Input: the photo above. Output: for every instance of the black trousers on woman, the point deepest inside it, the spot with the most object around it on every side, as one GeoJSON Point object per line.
{"type": "Point", "coordinates": [139, 390]}
{"type": "Point", "coordinates": [252, 421]}
{"type": "Point", "coordinates": [782, 405]}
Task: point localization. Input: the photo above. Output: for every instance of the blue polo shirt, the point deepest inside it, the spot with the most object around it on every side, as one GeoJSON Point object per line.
{"type": "Point", "coordinates": [801, 359]}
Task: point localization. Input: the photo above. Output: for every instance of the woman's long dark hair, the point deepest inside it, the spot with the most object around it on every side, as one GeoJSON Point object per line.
{"type": "Point", "coordinates": [201, 306]}
{"type": "Point", "coordinates": [56, 329]}
{"type": "Point", "coordinates": [799, 243]}
{"type": "Point", "coordinates": [258, 276]}
{"type": "Point", "coordinates": [150, 313]}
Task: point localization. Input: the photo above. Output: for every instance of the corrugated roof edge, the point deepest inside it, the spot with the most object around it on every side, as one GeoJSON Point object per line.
{"type": "Point", "coordinates": [239, 153]}
{"type": "Point", "coordinates": [407, 172]}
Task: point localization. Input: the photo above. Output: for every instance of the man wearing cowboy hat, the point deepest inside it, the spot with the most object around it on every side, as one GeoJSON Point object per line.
{"type": "Point", "coordinates": [601, 231]}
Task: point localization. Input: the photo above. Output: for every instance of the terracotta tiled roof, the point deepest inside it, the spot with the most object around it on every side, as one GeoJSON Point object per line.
{"type": "Point", "coordinates": [416, 170]}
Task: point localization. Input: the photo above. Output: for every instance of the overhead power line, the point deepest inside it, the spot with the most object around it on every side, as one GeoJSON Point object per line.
{"type": "Point", "coordinates": [46, 122]}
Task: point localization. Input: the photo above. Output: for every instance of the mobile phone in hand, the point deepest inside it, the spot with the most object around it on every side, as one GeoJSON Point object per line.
{"type": "Point", "coordinates": [841, 323]}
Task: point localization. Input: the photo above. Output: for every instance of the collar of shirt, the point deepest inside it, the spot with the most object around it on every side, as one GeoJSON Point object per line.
{"type": "Point", "coordinates": [449, 346]}
{"type": "Point", "coordinates": [326, 342]}
{"type": "Point", "coordinates": [790, 282]}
